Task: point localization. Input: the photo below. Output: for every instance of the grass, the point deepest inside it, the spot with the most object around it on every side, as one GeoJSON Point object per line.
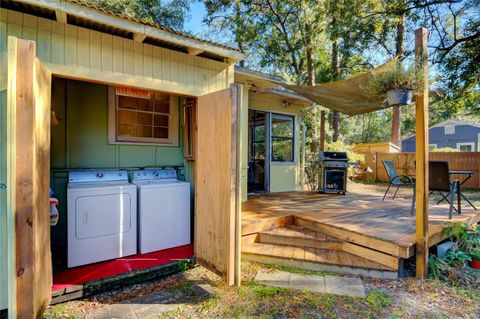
{"type": "Point", "coordinates": [408, 298]}
{"type": "Point", "coordinates": [378, 299]}
{"type": "Point", "coordinates": [298, 271]}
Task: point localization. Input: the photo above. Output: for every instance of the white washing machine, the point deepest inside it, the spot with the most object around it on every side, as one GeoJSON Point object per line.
{"type": "Point", "coordinates": [163, 210]}
{"type": "Point", "coordinates": [102, 216]}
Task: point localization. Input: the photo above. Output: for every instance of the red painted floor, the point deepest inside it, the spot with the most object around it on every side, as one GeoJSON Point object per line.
{"type": "Point", "coordinates": [83, 274]}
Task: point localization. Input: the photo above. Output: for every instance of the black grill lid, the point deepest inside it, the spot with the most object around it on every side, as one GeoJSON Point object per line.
{"type": "Point", "coordinates": [333, 156]}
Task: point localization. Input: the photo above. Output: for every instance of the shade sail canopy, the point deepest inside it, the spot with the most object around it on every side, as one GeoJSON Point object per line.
{"type": "Point", "coordinates": [345, 96]}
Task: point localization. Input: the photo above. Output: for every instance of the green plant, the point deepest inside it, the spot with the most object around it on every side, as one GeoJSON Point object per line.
{"type": "Point", "coordinates": [394, 79]}
{"type": "Point", "coordinates": [475, 253]}
{"type": "Point", "coordinates": [443, 269]}
{"type": "Point", "coordinates": [457, 258]}
{"type": "Point", "coordinates": [378, 299]}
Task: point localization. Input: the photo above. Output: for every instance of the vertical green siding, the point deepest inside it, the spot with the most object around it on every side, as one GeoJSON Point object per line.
{"type": "Point", "coordinates": [81, 141]}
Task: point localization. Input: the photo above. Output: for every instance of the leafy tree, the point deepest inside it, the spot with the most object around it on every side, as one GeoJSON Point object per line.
{"type": "Point", "coordinates": [170, 14]}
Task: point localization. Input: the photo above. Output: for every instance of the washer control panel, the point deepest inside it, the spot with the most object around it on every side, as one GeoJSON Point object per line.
{"type": "Point", "coordinates": [155, 174]}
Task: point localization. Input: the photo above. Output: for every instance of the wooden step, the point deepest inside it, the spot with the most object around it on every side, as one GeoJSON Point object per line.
{"type": "Point", "coordinates": [256, 226]}
{"type": "Point", "coordinates": [355, 237]}
{"type": "Point", "coordinates": [315, 259]}
{"type": "Point", "coordinates": [298, 236]}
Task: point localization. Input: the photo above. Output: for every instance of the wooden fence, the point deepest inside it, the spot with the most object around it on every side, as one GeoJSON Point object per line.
{"type": "Point", "coordinates": [405, 164]}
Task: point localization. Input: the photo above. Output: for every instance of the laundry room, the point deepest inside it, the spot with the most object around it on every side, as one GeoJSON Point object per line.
{"type": "Point", "coordinates": [125, 138]}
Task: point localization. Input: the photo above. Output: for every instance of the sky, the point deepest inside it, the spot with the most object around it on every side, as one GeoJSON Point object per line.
{"type": "Point", "coordinates": [197, 13]}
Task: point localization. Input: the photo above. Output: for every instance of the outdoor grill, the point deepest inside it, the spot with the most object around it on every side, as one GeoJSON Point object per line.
{"type": "Point", "coordinates": [333, 172]}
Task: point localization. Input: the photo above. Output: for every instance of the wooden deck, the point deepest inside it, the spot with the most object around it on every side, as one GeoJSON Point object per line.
{"type": "Point", "coordinates": [351, 231]}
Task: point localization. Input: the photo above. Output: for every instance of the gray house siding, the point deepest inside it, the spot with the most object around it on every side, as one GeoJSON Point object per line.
{"type": "Point", "coordinates": [463, 134]}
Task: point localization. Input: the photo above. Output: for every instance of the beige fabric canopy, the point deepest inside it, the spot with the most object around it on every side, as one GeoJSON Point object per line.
{"type": "Point", "coordinates": [345, 96]}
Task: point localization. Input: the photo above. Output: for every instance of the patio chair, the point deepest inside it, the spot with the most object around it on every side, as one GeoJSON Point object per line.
{"type": "Point", "coordinates": [395, 179]}
{"type": "Point", "coordinates": [439, 182]}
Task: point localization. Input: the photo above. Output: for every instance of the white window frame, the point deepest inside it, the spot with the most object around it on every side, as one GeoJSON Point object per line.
{"type": "Point", "coordinates": [471, 144]}
{"type": "Point", "coordinates": [173, 125]}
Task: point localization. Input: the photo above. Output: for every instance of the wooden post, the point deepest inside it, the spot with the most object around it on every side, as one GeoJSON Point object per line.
{"type": "Point", "coordinates": [322, 131]}
{"type": "Point", "coordinates": [421, 155]}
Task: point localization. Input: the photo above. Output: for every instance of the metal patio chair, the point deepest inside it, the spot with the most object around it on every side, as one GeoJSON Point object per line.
{"type": "Point", "coordinates": [439, 182]}
{"type": "Point", "coordinates": [395, 179]}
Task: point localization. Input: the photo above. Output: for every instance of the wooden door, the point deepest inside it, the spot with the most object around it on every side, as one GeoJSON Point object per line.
{"type": "Point", "coordinates": [217, 213]}
{"type": "Point", "coordinates": [28, 100]}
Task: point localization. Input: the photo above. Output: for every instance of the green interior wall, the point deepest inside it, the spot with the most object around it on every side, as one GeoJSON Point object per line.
{"type": "Point", "coordinates": [81, 142]}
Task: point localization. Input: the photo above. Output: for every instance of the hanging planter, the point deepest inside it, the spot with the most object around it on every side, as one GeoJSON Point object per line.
{"type": "Point", "coordinates": [399, 97]}
{"type": "Point", "coordinates": [396, 85]}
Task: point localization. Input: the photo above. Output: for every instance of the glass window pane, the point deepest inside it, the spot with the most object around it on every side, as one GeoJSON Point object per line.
{"type": "Point", "coordinates": [162, 107]}
{"type": "Point", "coordinates": [466, 148]}
{"type": "Point", "coordinates": [260, 133]}
{"type": "Point", "coordinates": [259, 151]}
{"type": "Point", "coordinates": [282, 149]}
{"type": "Point", "coordinates": [126, 130]}
{"type": "Point", "coordinates": [143, 131]}
{"type": "Point", "coordinates": [145, 105]}
{"type": "Point", "coordinates": [282, 126]}
{"type": "Point", "coordinates": [144, 118]}
{"type": "Point", "coordinates": [127, 102]}
{"type": "Point", "coordinates": [126, 117]}
{"type": "Point", "coordinates": [160, 132]}
{"type": "Point", "coordinates": [161, 120]}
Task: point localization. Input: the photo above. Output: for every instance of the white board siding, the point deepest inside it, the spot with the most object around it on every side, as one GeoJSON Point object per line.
{"type": "Point", "coordinates": [80, 53]}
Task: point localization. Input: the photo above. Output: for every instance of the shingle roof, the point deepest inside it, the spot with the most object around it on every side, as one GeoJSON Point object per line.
{"type": "Point", "coordinates": [150, 23]}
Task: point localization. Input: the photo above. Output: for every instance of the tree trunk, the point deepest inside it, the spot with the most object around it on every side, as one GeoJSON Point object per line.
{"type": "Point", "coordinates": [335, 76]}
{"type": "Point", "coordinates": [309, 53]}
{"type": "Point", "coordinates": [397, 116]}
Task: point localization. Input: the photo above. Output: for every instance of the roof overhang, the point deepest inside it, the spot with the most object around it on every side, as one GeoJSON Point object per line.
{"type": "Point", "coordinates": [66, 8]}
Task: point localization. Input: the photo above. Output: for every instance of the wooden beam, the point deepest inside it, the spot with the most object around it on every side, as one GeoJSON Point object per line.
{"type": "Point", "coordinates": [322, 131]}
{"type": "Point", "coordinates": [61, 16]}
{"type": "Point", "coordinates": [421, 155]}
{"type": "Point", "coordinates": [139, 37]}
{"type": "Point", "coordinates": [195, 51]}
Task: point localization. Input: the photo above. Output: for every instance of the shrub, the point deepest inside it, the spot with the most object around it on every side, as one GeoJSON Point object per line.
{"type": "Point", "coordinates": [445, 149]}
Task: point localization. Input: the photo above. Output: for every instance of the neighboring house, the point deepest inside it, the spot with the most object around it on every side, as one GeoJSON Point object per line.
{"type": "Point", "coordinates": [451, 133]}
{"type": "Point", "coordinates": [129, 94]}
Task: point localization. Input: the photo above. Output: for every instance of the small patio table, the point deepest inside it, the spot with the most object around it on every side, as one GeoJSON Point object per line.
{"type": "Point", "coordinates": [469, 175]}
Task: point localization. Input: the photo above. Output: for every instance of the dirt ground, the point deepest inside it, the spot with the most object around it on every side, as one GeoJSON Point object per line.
{"type": "Point", "coordinates": [404, 298]}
